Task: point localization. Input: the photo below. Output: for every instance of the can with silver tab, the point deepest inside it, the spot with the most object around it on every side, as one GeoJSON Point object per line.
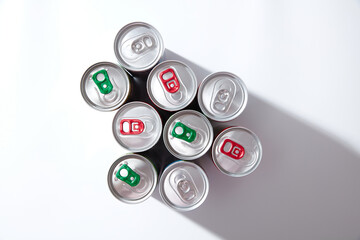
{"type": "Point", "coordinates": [183, 186]}
{"type": "Point", "coordinates": [188, 134]}
{"type": "Point", "coordinates": [137, 126]}
{"type": "Point", "coordinates": [132, 178]}
{"type": "Point", "coordinates": [236, 151]}
{"type": "Point", "coordinates": [105, 86]}
{"type": "Point", "coordinates": [138, 47]}
{"type": "Point", "coordinates": [172, 85]}
{"type": "Point", "coordinates": [222, 96]}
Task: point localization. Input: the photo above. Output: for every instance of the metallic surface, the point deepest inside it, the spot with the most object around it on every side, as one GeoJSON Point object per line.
{"type": "Point", "coordinates": [183, 186]}
{"type": "Point", "coordinates": [151, 124]}
{"type": "Point", "coordinates": [120, 87]}
{"type": "Point", "coordinates": [138, 46]}
{"type": "Point", "coordinates": [148, 179]}
{"type": "Point", "coordinates": [181, 148]}
{"type": "Point", "coordinates": [222, 96]}
{"type": "Point", "coordinates": [161, 96]}
{"type": "Point", "coordinates": [237, 166]}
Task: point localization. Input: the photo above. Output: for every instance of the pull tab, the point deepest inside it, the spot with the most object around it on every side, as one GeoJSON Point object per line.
{"type": "Point", "coordinates": [127, 175]}
{"type": "Point", "coordinates": [183, 132]}
{"type": "Point", "coordinates": [183, 185]}
{"type": "Point", "coordinates": [102, 81]}
{"type": "Point", "coordinates": [131, 126]}
{"type": "Point", "coordinates": [170, 80]}
{"type": "Point", "coordinates": [236, 151]}
{"type": "Point", "coordinates": [142, 44]}
{"type": "Point", "coordinates": [223, 95]}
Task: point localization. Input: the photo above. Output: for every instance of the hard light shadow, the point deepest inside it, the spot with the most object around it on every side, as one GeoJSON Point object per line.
{"type": "Point", "coordinates": [307, 185]}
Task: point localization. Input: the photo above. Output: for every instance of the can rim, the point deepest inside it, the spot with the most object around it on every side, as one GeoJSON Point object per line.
{"type": "Point", "coordinates": [152, 98]}
{"type": "Point", "coordinates": [135, 149]}
{"type": "Point", "coordinates": [214, 159]}
{"type": "Point", "coordinates": [162, 192]}
{"type": "Point", "coordinates": [91, 103]}
{"type": "Point", "coordinates": [110, 174]}
{"type": "Point", "coordinates": [119, 57]}
{"type": "Point", "coordinates": [166, 141]}
{"type": "Point", "coordinates": [204, 109]}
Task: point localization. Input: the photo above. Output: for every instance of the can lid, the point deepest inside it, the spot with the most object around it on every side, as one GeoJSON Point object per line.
{"type": "Point", "coordinates": [172, 85]}
{"type": "Point", "coordinates": [222, 96]}
{"type": "Point", "coordinates": [237, 151]}
{"type": "Point", "coordinates": [183, 186]}
{"type": "Point", "coordinates": [132, 178]}
{"type": "Point", "coordinates": [105, 86]}
{"type": "Point", "coordinates": [137, 126]}
{"type": "Point", "coordinates": [188, 134]}
{"type": "Point", "coordinates": [138, 46]}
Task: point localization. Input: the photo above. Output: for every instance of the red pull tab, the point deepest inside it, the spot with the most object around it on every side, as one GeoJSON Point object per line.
{"type": "Point", "coordinates": [236, 150]}
{"type": "Point", "coordinates": [131, 126]}
{"type": "Point", "coordinates": [171, 84]}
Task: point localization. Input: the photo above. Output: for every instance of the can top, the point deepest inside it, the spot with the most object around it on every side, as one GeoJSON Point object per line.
{"type": "Point", "coordinates": [138, 46]}
{"type": "Point", "coordinates": [132, 178]}
{"type": "Point", "coordinates": [222, 96]}
{"type": "Point", "coordinates": [137, 126]}
{"type": "Point", "coordinates": [188, 134]}
{"type": "Point", "coordinates": [172, 85]}
{"type": "Point", "coordinates": [105, 86]}
{"type": "Point", "coordinates": [237, 151]}
{"type": "Point", "coordinates": [183, 186]}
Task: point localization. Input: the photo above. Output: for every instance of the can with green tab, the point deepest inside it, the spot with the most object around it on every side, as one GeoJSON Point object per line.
{"type": "Point", "coordinates": [188, 135]}
{"type": "Point", "coordinates": [105, 86]}
{"type": "Point", "coordinates": [132, 178]}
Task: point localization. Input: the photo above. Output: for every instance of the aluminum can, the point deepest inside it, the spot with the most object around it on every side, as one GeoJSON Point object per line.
{"type": "Point", "coordinates": [222, 96]}
{"type": "Point", "coordinates": [105, 86]}
{"type": "Point", "coordinates": [137, 126]}
{"type": "Point", "coordinates": [188, 134]}
{"type": "Point", "coordinates": [236, 151]}
{"type": "Point", "coordinates": [132, 178]}
{"type": "Point", "coordinates": [172, 85]}
{"type": "Point", "coordinates": [183, 186]}
{"type": "Point", "coordinates": [138, 47]}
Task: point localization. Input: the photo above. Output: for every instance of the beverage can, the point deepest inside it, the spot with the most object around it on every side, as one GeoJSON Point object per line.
{"type": "Point", "coordinates": [237, 151]}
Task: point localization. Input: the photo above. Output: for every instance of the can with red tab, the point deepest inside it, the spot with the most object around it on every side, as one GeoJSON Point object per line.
{"type": "Point", "coordinates": [172, 85]}
{"type": "Point", "coordinates": [183, 186]}
{"type": "Point", "coordinates": [138, 47]}
{"type": "Point", "coordinates": [222, 96]}
{"type": "Point", "coordinates": [188, 134]}
{"type": "Point", "coordinates": [236, 151]}
{"type": "Point", "coordinates": [137, 126]}
{"type": "Point", "coordinates": [132, 178]}
{"type": "Point", "coordinates": [105, 86]}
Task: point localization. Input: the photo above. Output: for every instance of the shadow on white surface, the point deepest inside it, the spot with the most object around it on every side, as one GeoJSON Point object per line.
{"type": "Point", "coordinates": [306, 186]}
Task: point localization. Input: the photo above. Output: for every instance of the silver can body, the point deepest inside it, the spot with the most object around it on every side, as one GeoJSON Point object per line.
{"type": "Point", "coordinates": [188, 134]}
{"type": "Point", "coordinates": [172, 85]}
{"type": "Point", "coordinates": [222, 96]}
{"type": "Point", "coordinates": [137, 126]}
{"type": "Point", "coordinates": [105, 86]}
{"type": "Point", "coordinates": [132, 178]}
{"type": "Point", "coordinates": [183, 186]}
{"type": "Point", "coordinates": [237, 151]}
{"type": "Point", "coordinates": [138, 46]}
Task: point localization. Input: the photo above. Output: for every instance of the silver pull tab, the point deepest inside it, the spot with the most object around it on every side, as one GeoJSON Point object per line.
{"type": "Point", "coordinates": [138, 46]}
{"type": "Point", "coordinates": [222, 96]}
{"type": "Point", "coordinates": [183, 185]}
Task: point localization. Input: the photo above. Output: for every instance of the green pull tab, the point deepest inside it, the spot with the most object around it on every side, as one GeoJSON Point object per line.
{"type": "Point", "coordinates": [183, 132]}
{"type": "Point", "coordinates": [126, 174]}
{"type": "Point", "coordinates": [104, 84]}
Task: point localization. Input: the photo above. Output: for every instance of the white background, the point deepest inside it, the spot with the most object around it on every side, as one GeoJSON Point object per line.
{"type": "Point", "coordinates": [300, 61]}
